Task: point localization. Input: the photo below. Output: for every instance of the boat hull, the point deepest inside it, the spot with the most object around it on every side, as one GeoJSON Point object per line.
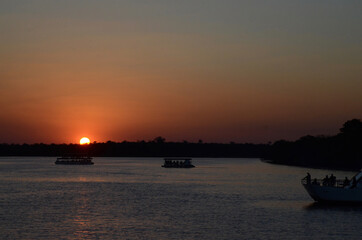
{"type": "Point", "coordinates": [334, 194]}
{"type": "Point", "coordinates": [73, 163]}
{"type": "Point", "coordinates": [190, 166]}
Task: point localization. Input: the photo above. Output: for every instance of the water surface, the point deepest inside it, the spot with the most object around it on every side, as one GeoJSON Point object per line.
{"type": "Point", "coordinates": [134, 198]}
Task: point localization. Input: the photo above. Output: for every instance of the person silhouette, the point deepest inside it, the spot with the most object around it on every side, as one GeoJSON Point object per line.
{"type": "Point", "coordinates": [308, 178]}
{"type": "Point", "coordinates": [345, 182]}
{"type": "Point", "coordinates": [332, 180]}
{"type": "Point", "coordinates": [326, 181]}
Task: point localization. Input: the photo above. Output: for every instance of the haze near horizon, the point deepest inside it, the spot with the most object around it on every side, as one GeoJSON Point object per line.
{"type": "Point", "coordinates": [220, 71]}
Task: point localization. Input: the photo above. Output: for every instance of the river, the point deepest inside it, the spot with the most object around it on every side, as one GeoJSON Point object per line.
{"type": "Point", "coordinates": [134, 198]}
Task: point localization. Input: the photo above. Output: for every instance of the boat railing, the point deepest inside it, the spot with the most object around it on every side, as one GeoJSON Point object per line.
{"type": "Point", "coordinates": [323, 182]}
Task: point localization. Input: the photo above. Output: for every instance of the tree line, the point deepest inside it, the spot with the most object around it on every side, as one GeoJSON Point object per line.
{"type": "Point", "coordinates": [341, 151]}
{"type": "Point", "coordinates": [156, 148]}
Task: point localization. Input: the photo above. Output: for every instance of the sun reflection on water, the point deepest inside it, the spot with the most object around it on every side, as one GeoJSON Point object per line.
{"type": "Point", "coordinates": [81, 221]}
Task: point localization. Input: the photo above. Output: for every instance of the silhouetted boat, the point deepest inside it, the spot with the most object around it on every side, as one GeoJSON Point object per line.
{"type": "Point", "coordinates": [335, 191]}
{"type": "Point", "coordinates": [178, 163]}
{"type": "Point", "coordinates": [74, 160]}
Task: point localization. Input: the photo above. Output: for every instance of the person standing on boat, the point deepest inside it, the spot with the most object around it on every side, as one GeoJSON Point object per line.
{"type": "Point", "coordinates": [326, 181]}
{"type": "Point", "coordinates": [308, 178]}
{"type": "Point", "coordinates": [345, 182]}
{"type": "Point", "coordinates": [332, 180]}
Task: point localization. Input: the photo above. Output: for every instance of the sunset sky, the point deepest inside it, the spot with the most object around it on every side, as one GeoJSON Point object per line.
{"type": "Point", "coordinates": [220, 71]}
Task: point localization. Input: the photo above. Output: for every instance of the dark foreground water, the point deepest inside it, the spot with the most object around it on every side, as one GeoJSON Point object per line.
{"type": "Point", "coordinates": [133, 198]}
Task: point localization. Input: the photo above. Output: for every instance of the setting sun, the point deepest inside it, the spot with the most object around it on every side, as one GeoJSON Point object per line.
{"type": "Point", "coordinates": [84, 140]}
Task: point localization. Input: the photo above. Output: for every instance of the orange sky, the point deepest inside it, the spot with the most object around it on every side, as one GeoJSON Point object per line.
{"type": "Point", "coordinates": [190, 70]}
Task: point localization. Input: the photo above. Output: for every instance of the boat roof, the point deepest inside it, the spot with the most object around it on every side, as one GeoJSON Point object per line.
{"type": "Point", "coordinates": [74, 157]}
{"type": "Point", "coordinates": [176, 158]}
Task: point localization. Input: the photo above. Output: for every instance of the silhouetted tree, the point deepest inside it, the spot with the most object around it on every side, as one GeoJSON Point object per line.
{"type": "Point", "coordinates": [159, 140]}
{"type": "Point", "coordinates": [352, 127]}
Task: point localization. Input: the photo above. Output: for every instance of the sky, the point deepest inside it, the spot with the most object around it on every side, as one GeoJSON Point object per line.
{"type": "Point", "coordinates": [221, 71]}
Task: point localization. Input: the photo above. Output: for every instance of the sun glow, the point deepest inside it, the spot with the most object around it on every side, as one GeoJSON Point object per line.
{"type": "Point", "coordinates": [84, 140]}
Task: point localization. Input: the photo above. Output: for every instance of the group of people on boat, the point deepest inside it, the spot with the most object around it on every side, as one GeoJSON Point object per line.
{"type": "Point", "coordinates": [330, 181]}
{"type": "Point", "coordinates": [180, 163]}
{"type": "Point", "coordinates": [176, 164]}
{"type": "Point", "coordinates": [74, 160]}
{"type": "Point", "coordinates": [329, 189]}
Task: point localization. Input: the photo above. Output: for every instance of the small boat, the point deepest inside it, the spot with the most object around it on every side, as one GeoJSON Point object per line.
{"type": "Point", "coordinates": [332, 190]}
{"type": "Point", "coordinates": [76, 160]}
{"type": "Point", "coordinates": [178, 163]}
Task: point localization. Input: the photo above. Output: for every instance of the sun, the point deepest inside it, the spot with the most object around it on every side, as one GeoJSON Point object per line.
{"type": "Point", "coordinates": [84, 140]}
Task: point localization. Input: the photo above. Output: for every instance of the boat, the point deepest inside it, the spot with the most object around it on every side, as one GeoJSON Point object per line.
{"type": "Point", "coordinates": [74, 160]}
{"type": "Point", "coordinates": [331, 190]}
{"type": "Point", "coordinates": [178, 163]}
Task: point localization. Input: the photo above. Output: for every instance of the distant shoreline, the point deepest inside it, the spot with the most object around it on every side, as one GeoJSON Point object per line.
{"type": "Point", "coordinates": [340, 152]}
{"type": "Point", "coordinates": [138, 149]}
